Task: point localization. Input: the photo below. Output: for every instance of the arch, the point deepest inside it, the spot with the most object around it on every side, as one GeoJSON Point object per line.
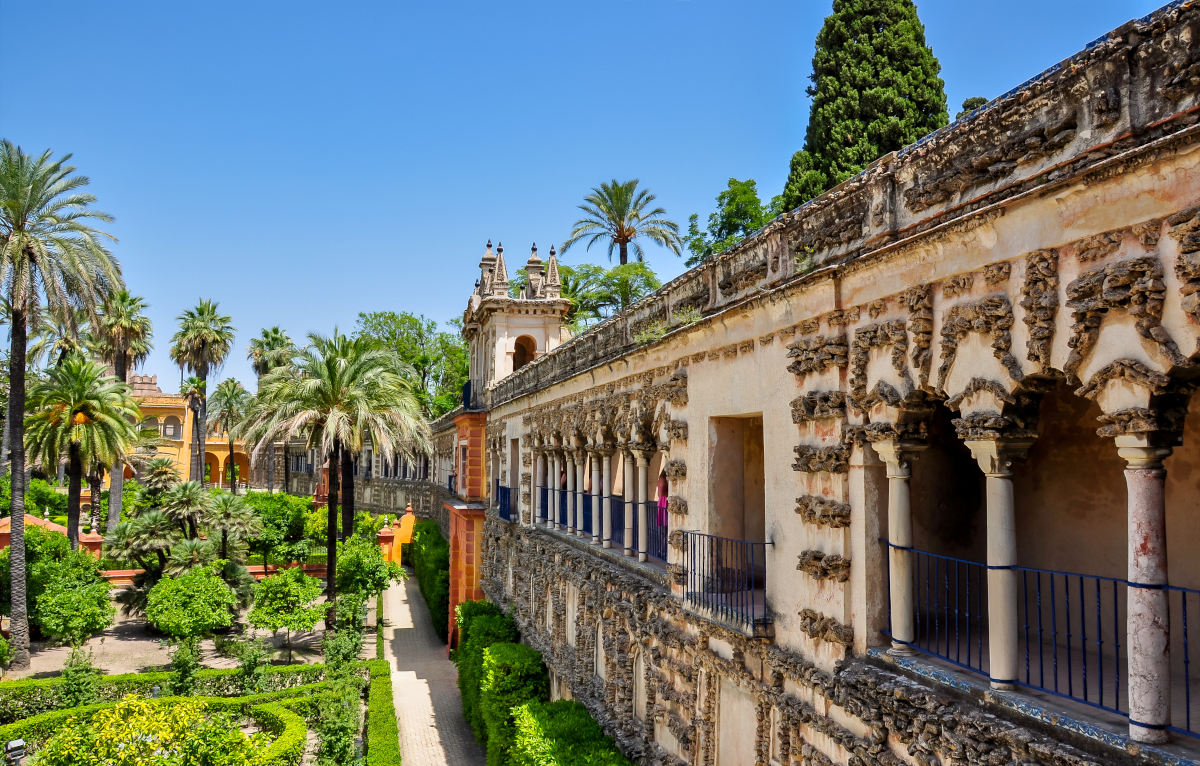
{"type": "Point", "coordinates": [640, 701]}
{"type": "Point", "coordinates": [212, 468]}
{"type": "Point", "coordinates": [151, 421]}
{"type": "Point", "coordinates": [172, 427]}
{"type": "Point", "coordinates": [524, 351]}
{"type": "Point", "coordinates": [241, 464]}
{"type": "Point", "coordinates": [598, 660]}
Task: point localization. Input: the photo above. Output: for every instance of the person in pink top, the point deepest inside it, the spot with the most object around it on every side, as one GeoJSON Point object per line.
{"type": "Point", "coordinates": [663, 489]}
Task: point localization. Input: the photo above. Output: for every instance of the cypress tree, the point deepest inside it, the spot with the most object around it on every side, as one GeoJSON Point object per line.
{"type": "Point", "coordinates": [875, 89]}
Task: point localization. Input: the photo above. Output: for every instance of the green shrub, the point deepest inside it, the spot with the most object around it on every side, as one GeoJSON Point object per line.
{"type": "Point", "coordinates": [6, 653]}
{"type": "Point", "coordinates": [553, 733]}
{"type": "Point", "coordinates": [483, 631]}
{"type": "Point", "coordinates": [79, 676]}
{"type": "Point", "coordinates": [512, 674]}
{"type": "Point", "coordinates": [431, 563]}
{"type": "Point", "coordinates": [289, 730]}
{"type": "Point", "coordinates": [378, 629]}
{"type": "Point", "coordinates": [383, 735]}
{"type": "Point", "coordinates": [469, 610]}
{"type": "Point", "coordinates": [41, 497]}
{"type": "Point", "coordinates": [48, 557]}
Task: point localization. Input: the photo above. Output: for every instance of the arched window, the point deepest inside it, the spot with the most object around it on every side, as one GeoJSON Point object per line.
{"type": "Point", "coordinates": [639, 686]}
{"type": "Point", "coordinates": [152, 422]}
{"type": "Point", "coordinates": [172, 428]}
{"type": "Point", "coordinates": [524, 352]}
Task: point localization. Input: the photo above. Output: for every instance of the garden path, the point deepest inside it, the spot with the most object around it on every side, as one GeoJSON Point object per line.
{"type": "Point", "coordinates": [433, 730]}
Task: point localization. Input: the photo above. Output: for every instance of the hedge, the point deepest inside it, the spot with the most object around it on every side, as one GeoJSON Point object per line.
{"type": "Point", "coordinates": [383, 735]}
{"type": "Point", "coordinates": [483, 631]}
{"type": "Point", "coordinates": [288, 728]}
{"type": "Point", "coordinates": [29, 697]}
{"type": "Point", "coordinates": [512, 675]}
{"type": "Point", "coordinates": [552, 733]}
{"type": "Point", "coordinates": [469, 610]}
{"type": "Point", "coordinates": [379, 627]}
{"type": "Point", "coordinates": [431, 563]}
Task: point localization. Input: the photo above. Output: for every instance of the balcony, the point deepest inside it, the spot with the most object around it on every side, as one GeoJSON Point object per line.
{"type": "Point", "coordinates": [503, 501]}
{"type": "Point", "coordinates": [725, 581]}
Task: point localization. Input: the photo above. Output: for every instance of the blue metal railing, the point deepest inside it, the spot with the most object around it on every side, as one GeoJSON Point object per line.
{"type": "Point", "coordinates": [563, 510]}
{"type": "Point", "coordinates": [586, 524]}
{"type": "Point", "coordinates": [1183, 605]}
{"type": "Point", "coordinates": [726, 578]}
{"type": "Point", "coordinates": [503, 502]}
{"type": "Point", "coordinates": [656, 530]}
{"type": "Point", "coordinates": [950, 601]}
{"type": "Point", "coordinates": [450, 484]}
{"type": "Point", "coordinates": [543, 503]}
{"type": "Point", "coordinates": [618, 521]}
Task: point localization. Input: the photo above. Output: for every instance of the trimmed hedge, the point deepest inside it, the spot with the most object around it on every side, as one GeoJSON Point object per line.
{"type": "Point", "coordinates": [512, 674]}
{"type": "Point", "coordinates": [553, 733]}
{"type": "Point", "coordinates": [383, 735]}
{"type": "Point", "coordinates": [483, 631]}
{"type": "Point", "coordinates": [469, 610]}
{"type": "Point", "coordinates": [379, 627]}
{"type": "Point", "coordinates": [29, 697]}
{"type": "Point", "coordinates": [431, 563]}
{"type": "Point", "coordinates": [288, 728]}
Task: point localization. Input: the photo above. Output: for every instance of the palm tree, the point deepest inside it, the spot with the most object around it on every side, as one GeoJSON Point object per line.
{"type": "Point", "coordinates": [159, 475]}
{"type": "Point", "coordinates": [58, 336]}
{"type": "Point", "coordinates": [189, 554]}
{"type": "Point", "coordinates": [338, 389]}
{"type": "Point", "coordinates": [83, 412]}
{"type": "Point", "coordinates": [229, 404]}
{"type": "Point", "coordinates": [123, 335]}
{"type": "Point", "coordinates": [266, 352]}
{"type": "Point", "coordinates": [192, 391]}
{"type": "Point", "coordinates": [187, 504]}
{"type": "Point", "coordinates": [235, 518]}
{"type": "Point", "coordinates": [619, 212]}
{"type": "Point", "coordinates": [201, 344]}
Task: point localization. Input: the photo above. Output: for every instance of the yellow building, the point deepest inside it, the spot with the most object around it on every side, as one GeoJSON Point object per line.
{"type": "Point", "coordinates": [170, 415]}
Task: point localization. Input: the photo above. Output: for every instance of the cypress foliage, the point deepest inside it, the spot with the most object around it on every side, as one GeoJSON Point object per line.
{"type": "Point", "coordinates": [875, 89]}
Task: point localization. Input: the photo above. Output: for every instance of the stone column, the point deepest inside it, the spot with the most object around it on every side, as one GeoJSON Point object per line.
{"type": "Point", "coordinates": [539, 479]}
{"type": "Point", "coordinates": [995, 458]}
{"type": "Point", "coordinates": [597, 497]}
{"type": "Point", "coordinates": [898, 456]}
{"type": "Point", "coordinates": [1148, 627]}
{"type": "Point", "coordinates": [643, 471]}
{"type": "Point", "coordinates": [630, 498]}
{"type": "Point", "coordinates": [569, 496]}
{"type": "Point", "coordinates": [606, 496]}
{"type": "Point", "coordinates": [580, 483]}
{"type": "Point", "coordinates": [555, 473]}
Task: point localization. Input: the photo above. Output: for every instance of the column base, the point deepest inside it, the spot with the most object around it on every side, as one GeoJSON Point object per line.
{"type": "Point", "coordinates": [641, 556]}
{"type": "Point", "coordinates": [1002, 686]}
{"type": "Point", "coordinates": [1148, 736]}
{"type": "Point", "coordinates": [608, 543]}
{"type": "Point", "coordinates": [595, 540]}
{"type": "Point", "coordinates": [628, 552]}
{"type": "Point", "coordinates": [901, 650]}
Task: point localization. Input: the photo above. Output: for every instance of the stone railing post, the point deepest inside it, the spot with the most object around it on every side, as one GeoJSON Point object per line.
{"type": "Point", "coordinates": [1148, 628]}
{"type": "Point", "coordinates": [539, 480]}
{"type": "Point", "coordinates": [597, 496]}
{"type": "Point", "coordinates": [898, 456]}
{"type": "Point", "coordinates": [643, 475]}
{"type": "Point", "coordinates": [630, 499]}
{"type": "Point", "coordinates": [569, 498]}
{"type": "Point", "coordinates": [605, 496]}
{"type": "Point", "coordinates": [995, 457]}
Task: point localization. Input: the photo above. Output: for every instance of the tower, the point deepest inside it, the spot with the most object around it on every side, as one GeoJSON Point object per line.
{"type": "Point", "coordinates": [505, 333]}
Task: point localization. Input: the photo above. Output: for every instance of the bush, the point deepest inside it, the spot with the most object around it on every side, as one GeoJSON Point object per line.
{"type": "Point", "coordinates": [41, 497]}
{"type": "Point", "coordinates": [252, 656]}
{"type": "Point", "coordinates": [193, 604]}
{"type": "Point", "coordinates": [552, 733]}
{"type": "Point", "coordinates": [289, 730]}
{"type": "Point", "coordinates": [469, 610]}
{"type": "Point", "coordinates": [484, 631]}
{"type": "Point", "coordinates": [338, 722]}
{"type": "Point", "coordinates": [282, 518]}
{"type": "Point", "coordinates": [48, 556]}
{"type": "Point", "coordinates": [6, 653]}
{"type": "Point", "coordinates": [383, 735]}
{"type": "Point", "coordinates": [513, 674]}
{"type": "Point", "coordinates": [431, 563]}
{"type": "Point", "coordinates": [361, 569]}
{"type": "Point", "coordinates": [288, 600]}
{"type": "Point", "coordinates": [79, 676]}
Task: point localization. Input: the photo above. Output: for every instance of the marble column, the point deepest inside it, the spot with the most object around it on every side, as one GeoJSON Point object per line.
{"type": "Point", "coordinates": [1148, 626]}
{"type": "Point", "coordinates": [630, 498]}
{"type": "Point", "coordinates": [539, 480]}
{"type": "Point", "coordinates": [569, 498]}
{"type": "Point", "coordinates": [605, 496]}
{"type": "Point", "coordinates": [897, 457]}
{"type": "Point", "coordinates": [643, 475]}
{"type": "Point", "coordinates": [580, 489]}
{"type": "Point", "coordinates": [597, 496]}
{"type": "Point", "coordinates": [995, 458]}
{"type": "Point", "coordinates": [552, 494]}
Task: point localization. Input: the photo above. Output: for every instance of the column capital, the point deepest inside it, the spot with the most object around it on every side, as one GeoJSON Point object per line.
{"type": "Point", "coordinates": [602, 449]}
{"type": "Point", "coordinates": [897, 455]}
{"type": "Point", "coordinates": [996, 456]}
{"type": "Point", "coordinates": [1140, 453]}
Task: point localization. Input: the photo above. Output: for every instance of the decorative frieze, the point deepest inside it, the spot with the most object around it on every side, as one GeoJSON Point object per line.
{"type": "Point", "coordinates": [1039, 298]}
{"type": "Point", "coordinates": [821, 627]}
{"type": "Point", "coordinates": [882, 335]}
{"type": "Point", "coordinates": [676, 469]}
{"type": "Point", "coordinates": [818, 405]}
{"type": "Point", "coordinates": [919, 301]}
{"type": "Point", "coordinates": [817, 354]}
{"type": "Point", "coordinates": [677, 505]}
{"type": "Point", "coordinates": [992, 315]}
{"type": "Point", "coordinates": [957, 285]}
{"type": "Point", "coordinates": [1185, 230]}
{"type": "Point", "coordinates": [834, 459]}
{"type": "Point", "coordinates": [823, 512]}
{"type": "Point", "coordinates": [678, 430]}
{"type": "Point", "coordinates": [824, 566]}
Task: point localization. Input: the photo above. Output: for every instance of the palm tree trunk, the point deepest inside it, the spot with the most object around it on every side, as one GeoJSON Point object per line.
{"type": "Point", "coordinates": [202, 428]}
{"type": "Point", "coordinates": [116, 484]}
{"type": "Point", "coordinates": [232, 468]}
{"type": "Point", "coordinates": [225, 543]}
{"type": "Point", "coordinates": [624, 252]}
{"type": "Point", "coordinates": [19, 623]}
{"type": "Point", "coordinates": [331, 544]}
{"type": "Point", "coordinates": [74, 486]}
{"type": "Point", "coordinates": [7, 438]}
{"type": "Point", "coordinates": [347, 494]}
{"type": "Point", "coordinates": [194, 462]}
{"type": "Point", "coordinates": [97, 484]}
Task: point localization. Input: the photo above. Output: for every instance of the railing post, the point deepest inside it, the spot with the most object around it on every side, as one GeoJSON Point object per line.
{"type": "Point", "coordinates": [596, 487]}
{"type": "Point", "coordinates": [580, 490]}
{"type": "Point", "coordinates": [539, 478]}
{"type": "Point", "coordinates": [629, 499]}
{"type": "Point", "coordinates": [995, 458]}
{"type": "Point", "coordinates": [1148, 630]}
{"type": "Point", "coordinates": [643, 470]}
{"type": "Point", "coordinates": [569, 499]}
{"type": "Point", "coordinates": [897, 456]}
{"type": "Point", "coordinates": [552, 492]}
{"type": "Point", "coordinates": [605, 497]}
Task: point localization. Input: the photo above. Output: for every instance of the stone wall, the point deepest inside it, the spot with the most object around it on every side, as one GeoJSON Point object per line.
{"type": "Point", "coordinates": [390, 496]}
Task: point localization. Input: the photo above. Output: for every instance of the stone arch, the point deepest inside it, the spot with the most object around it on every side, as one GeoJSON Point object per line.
{"type": "Point", "coordinates": [524, 351]}
{"type": "Point", "coordinates": [598, 660]}
{"type": "Point", "coordinates": [640, 697]}
{"type": "Point", "coordinates": [212, 468]}
{"type": "Point", "coordinates": [172, 427]}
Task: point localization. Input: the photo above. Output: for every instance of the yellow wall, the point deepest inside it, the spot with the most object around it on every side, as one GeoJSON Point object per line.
{"type": "Point", "coordinates": [216, 448]}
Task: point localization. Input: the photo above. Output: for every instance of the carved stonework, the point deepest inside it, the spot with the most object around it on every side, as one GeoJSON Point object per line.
{"type": "Point", "coordinates": [957, 285]}
{"type": "Point", "coordinates": [1185, 230]}
{"type": "Point", "coordinates": [1039, 298]}
{"type": "Point", "coordinates": [676, 469]}
{"type": "Point", "coordinates": [678, 429]}
{"type": "Point", "coordinates": [992, 315]}
{"type": "Point", "coordinates": [880, 335]}
{"type": "Point", "coordinates": [824, 566]}
{"type": "Point", "coordinates": [823, 512]}
{"type": "Point", "coordinates": [823, 628]}
{"type": "Point", "coordinates": [817, 405]}
{"type": "Point", "coordinates": [677, 505]}
{"type": "Point", "coordinates": [678, 573]}
{"type": "Point", "coordinates": [987, 426]}
{"type": "Point", "coordinates": [1130, 370]}
{"type": "Point", "coordinates": [996, 273]}
{"type": "Point", "coordinates": [817, 354]}
{"type": "Point", "coordinates": [811, 459]}
{"type": "Point", "coordinates": [1097, 246]}
{"type": "Point", "coordinates": [919, 301]}
{"type": "Point", "coordinates": [1133, 285]}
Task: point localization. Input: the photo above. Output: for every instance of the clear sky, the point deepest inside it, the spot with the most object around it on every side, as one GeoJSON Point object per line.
{"type": "Point", "coordinates": [300, 162]}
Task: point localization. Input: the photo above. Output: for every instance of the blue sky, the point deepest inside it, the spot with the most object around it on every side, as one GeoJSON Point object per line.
{"type": "Point", "coordinates": [300, 162]}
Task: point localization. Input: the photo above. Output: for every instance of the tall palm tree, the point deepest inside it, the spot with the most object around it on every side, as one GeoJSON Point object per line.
{"type": "Point", "coordinates": [56, 337]}
{"type": "Point", "coordinates": [273, 348]}
{"type": "Point", "coordinates": [192, 391]}
{"type": "Point", "coordinates": [187, 504]}
{"type": "Point", "coordinates": [229, 403]}
{"type": "Point", "coordinates": [123, 335]}
{"type": "Point", "coordinates": [201, 344]}
{"type": "Point", "coordinates": [83, 412]}
{"type": "Point", "coordinates": [158, 476]}
{"type": "Point", "coordinates": [621, 213]}
{"type": "Point", "coordinates": [235, 518]}
{"type": "Point", "coordinates": [338, 389]}
{"type": "Point", "coordinates": [51, 254]}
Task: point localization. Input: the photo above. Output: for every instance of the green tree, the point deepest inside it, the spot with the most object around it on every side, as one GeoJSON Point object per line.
{"type": "Point", "coordinates": [362, 570]}
{"type": "Point", "coordinates": [201, 344]}
{"type": "Point", "coordinates": [621, 213]}
{"type": "Point", "coordinates": [158, 476]}
{"type": "Point", "coordinates": [73, 610]}
{"type": "Point", "coordinates": [969, 105]}
{"type": "Point", "coordinates": [273, 348]}
{"type": "Point", "coordinates": [739, 214]}
{"type": "Point", "coordinates": [83, 413]}
{"type": "Point", "coordinates": [51, 255]}
{"type": "Point", "coordinates": [187, 504]}
{"type": "Point", "coordinates": [623, 286]}
{"type": "Point", "coordinates": [123, 335]}
{"type": "Point", "coordinates": [339, 389]}
{"type": "Point", "coordinates": [287, 601]}
{"type": "Point", "coordinates": [192, 390]}
{"type": "Point", "coordinates": [437, 357]}
{"type": "Point", "coordinates": [229, 404]}
{"type": "Point", "coordinates": [236, 520]}
{"type": "Point", "coordinates": [192, 605]}
{"type": "Point", "coordinates": [875, 89]}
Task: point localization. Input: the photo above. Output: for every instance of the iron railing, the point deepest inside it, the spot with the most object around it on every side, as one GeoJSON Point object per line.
{"type": "Point", "coordinates": [450, 484]}
{"type": "Point", "coordinates": [950, 609]}
{"type": "Point", "coordinates": [656, 530]}
{"type": "Point", "coordinates": [726, 578]}
{"type": "Point", "coordinates": [618, 521]}
{"type": "Point", "coordinates": [543, 504]}
{"type": "Point", "coordinates": [503, 502]}
{"type": "Point", "coordinates": [563, 510]}
{"type": "Point", "coordinates": [585, 525]}
{"type": "Point", "coordinates": [1183, 605]}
